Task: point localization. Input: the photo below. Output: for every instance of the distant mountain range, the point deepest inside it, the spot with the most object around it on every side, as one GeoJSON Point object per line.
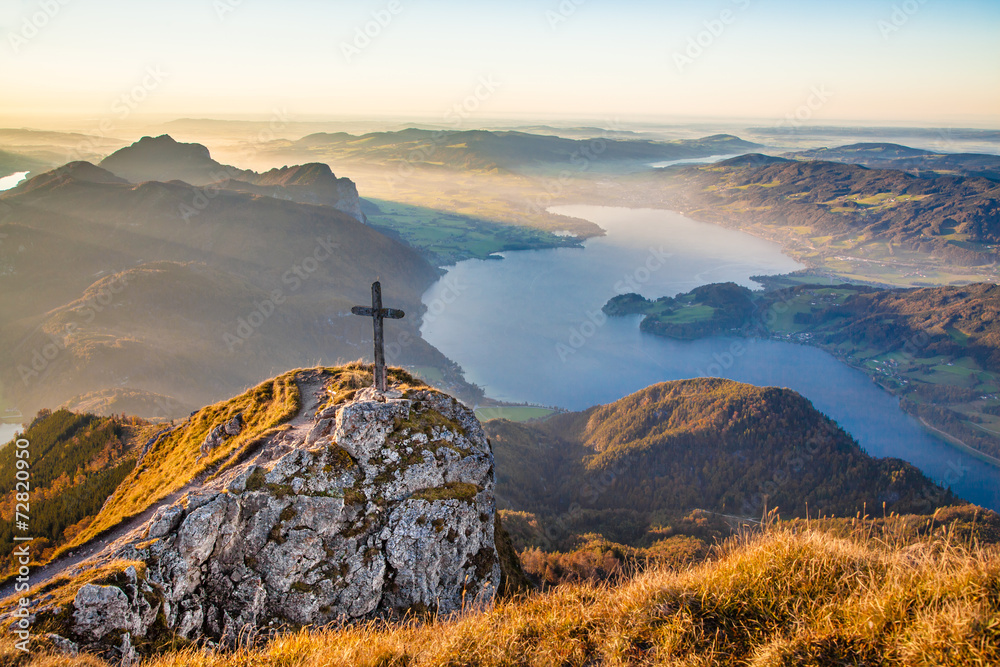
{"type": "Point", "coordinates": [940, 134]}
{"type": "Point", "coordinates": [53, 149]}
{"type": "Point", "coordinates": [624, 468]}
{"type": "Point", "coordinates": [483, 150]}
{"type": "Point", "coordinates": [912, 160]}
{"type": "Point", "coordinates": [164, 159]}
{"type": "Point", "coordinates": [113, 297]}
{"type": "Point", "coordinates": [847, 205]}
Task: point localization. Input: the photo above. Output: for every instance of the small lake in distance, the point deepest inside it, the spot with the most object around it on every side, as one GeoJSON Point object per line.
{"type": "Point", "coordinates": [8, 431]}
{"type": "Point", "coordinates": [7, 182]}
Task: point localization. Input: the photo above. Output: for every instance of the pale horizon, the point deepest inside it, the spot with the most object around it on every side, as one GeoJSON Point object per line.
{"type": "Point", "coordinates": [872, 63]}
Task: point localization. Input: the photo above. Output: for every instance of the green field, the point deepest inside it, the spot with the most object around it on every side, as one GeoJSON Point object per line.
{"type": "Point", "coordinates": [446, 238]}
{"type": "Point", "coordinates": [784, 318]}
{"type": "Point", "coordinates": [513, 413]}
{"type": "Point", "coordinates": [687, 314]}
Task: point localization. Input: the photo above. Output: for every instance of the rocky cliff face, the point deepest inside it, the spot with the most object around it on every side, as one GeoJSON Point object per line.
{"type": "Point", "coordinates": [377, 505]}
{"type": "Point", "coordinates": [313, 183]}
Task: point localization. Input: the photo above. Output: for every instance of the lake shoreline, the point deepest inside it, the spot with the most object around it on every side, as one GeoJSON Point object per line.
{"type": "Point", "coordinates": [559, 351]}
{"type": "Point", "coordinates": [739, 313]}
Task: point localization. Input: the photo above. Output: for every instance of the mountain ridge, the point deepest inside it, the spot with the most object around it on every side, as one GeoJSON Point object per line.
{"type": "Point", "coordinates": [916, 161]}
{"type": "Point", "coordinates": [164, 159]}
{"type": "Point", "coordinates": [510, 150]}
{"type": "Point", "coordinates": [282, 272]}
{"type": "Point", "coordinates": [952, 217]}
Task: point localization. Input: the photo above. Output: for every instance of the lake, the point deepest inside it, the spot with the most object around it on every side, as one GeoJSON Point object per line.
{"type": "Point", "coordinates": [529, 328]}
{"type": "Point", "coordinates": [7, 182]}
{"type": "Point", "coordinates": [695, 160]}
{"type": "Point", "coordinates": [7, 432]}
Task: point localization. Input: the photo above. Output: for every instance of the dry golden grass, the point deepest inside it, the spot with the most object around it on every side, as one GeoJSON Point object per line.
{"type": "Point", "coordinates": [786, 596]}
{"type": "Point", "coordinates": [174, 461]}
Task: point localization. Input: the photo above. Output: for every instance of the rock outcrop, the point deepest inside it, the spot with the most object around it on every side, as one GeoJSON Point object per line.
{"type": "Point", "coordinates": [313, 183]}
{"type": "Point", "coordinates": [378, 505]}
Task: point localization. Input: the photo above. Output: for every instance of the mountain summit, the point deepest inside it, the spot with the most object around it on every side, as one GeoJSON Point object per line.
{"type": "Point", "coordinates": [310, 499]}
{"type": "Point", "coordinates": [165, 159]}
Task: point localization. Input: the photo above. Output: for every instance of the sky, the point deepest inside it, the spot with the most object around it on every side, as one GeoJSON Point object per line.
{"type": "Point", "coordinates": [927, 62]}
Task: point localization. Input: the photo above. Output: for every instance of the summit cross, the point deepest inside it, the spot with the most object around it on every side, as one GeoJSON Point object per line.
{"type": "Point", "coordinates": [378, 313]}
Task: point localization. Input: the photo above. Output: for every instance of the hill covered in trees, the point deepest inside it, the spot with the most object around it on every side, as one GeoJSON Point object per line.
{"type": "Point", "coordinates": [75, 461]}
{"type": "Point", "coordinates": [954, 217]}
{"type": "Point", "coordinates": [634, 469]}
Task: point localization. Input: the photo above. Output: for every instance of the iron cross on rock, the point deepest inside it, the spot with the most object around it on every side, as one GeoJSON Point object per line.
{"type": "Point", "coordinates": [378, 313]}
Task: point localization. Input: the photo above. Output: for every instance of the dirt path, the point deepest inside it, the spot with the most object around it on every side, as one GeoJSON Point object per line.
{"type": "Point", "coordinates": [312, 389]}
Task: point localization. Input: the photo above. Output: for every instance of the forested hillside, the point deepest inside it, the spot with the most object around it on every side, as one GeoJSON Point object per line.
{"type": "Point", "coordinates": [631, 469]}
{"type": "Point", "coordinates": [75, 462]}
{"type": "Point", "coordinates": [109, 292]}
{"type": "Point", "coordinates": [951, 216]}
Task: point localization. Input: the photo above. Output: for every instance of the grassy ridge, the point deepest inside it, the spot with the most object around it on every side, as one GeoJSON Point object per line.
{"type": "Point", "coordinates": [174, 460]}
{"type": "Point", "coordinates": [789, 595]}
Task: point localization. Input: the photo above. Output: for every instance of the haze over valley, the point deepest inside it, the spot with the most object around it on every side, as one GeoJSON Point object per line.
{"type": "Point", "coordinates": [668, 297]}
